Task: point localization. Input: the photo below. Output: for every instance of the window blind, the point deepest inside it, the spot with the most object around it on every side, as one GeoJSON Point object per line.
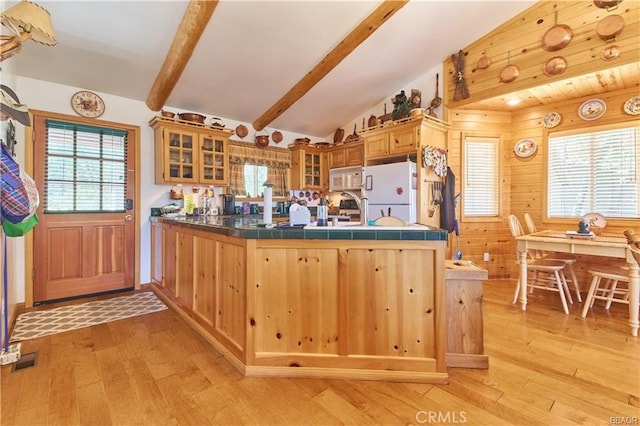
{"type": "Point", "coordinates": [594, 172]}
{"type": "Point", "coordinates": [85, 168]}
{"type": "Point", "coordinates": [480, 177]}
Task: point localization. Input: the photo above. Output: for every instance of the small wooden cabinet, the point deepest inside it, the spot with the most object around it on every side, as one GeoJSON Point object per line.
{"type": "Point", "coordinates": [214, 158]}
{"type": "Point", "coordinates": [463, 294]}
{"type": "Point", "coordinates": [392, 141]}
{"type": "Point", "coordinates": [190, 153]}
{"type": "Point", "coordinates": [307, 167]}
{"type": "Point", "coordinates": [346, 155]}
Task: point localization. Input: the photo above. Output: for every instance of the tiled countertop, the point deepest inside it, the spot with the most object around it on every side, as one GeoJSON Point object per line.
{"type": "Point", "coordinates": [252, 227]}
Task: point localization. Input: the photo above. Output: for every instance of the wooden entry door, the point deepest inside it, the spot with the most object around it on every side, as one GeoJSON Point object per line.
{"type": "Point", "coordinates": [84, 242]}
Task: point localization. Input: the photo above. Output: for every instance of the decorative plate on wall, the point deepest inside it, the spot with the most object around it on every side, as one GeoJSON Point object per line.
{"type": "Point", "coordinates": [551, 120]}
{"type": "Point", "coordinates": [632, 106]}
{"type": "Point", "coordinates": [592, 109]}
{"type": "Point", "coordinates": [525, 148]}
{"type": "Point", "coordinates": [595, 220]}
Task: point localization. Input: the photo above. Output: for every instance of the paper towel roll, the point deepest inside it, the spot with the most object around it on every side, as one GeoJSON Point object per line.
{"type": "Point", "coordinates": [267, 211]}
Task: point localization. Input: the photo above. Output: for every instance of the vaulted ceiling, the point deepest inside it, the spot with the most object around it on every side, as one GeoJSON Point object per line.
{"type": "Point", "coordinates": [252, 53]}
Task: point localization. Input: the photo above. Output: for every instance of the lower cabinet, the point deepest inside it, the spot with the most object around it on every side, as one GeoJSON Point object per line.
{"type": "Point", "coordinates": [465, 338]}
{"type": "Point", "coordinates": [355, 309]}
{"type": "Point", "coordinates": [205, 277]}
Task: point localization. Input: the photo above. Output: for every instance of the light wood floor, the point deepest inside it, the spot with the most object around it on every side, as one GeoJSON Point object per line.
{"type": "Point", "coordinates": [545, 368]}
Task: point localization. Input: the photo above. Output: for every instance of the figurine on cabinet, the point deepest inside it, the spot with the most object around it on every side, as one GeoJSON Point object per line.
{"type": "Point", "coordinates": [401, 106]}
{"type": "Point", "coordinates": [416, 99]}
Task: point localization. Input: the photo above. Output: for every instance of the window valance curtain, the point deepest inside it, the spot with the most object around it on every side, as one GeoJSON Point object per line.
{"type": "Point", "coordinates": [248, 153]}
{"type": "Point", "coordinates": [277, 161]}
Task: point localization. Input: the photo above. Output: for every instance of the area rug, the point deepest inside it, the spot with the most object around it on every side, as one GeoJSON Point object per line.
{"type": "Point", "coordinates": [31, 325]}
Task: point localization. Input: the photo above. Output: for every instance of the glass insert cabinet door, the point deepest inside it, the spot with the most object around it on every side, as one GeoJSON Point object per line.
{"type": "Point", "coordinates": [181, 156]}
{"type": "Point", "coordinates": [312, 170]}
{"type": "Point", "coordinates": [213, 159]}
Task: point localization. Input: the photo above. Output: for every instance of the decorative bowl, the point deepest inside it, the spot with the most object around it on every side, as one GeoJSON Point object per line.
{"type": "Point", "coordinates": [192, 116]}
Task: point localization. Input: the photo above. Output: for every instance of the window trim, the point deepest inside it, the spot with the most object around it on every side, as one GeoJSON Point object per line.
{"type": "Point", "coordinates": [499, 140]}
{"type": "Point", "coordinates": [571, 222]}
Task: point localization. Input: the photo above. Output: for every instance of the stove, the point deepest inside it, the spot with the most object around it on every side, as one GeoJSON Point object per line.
{"type": "Point", "coordinates": [349, 208]}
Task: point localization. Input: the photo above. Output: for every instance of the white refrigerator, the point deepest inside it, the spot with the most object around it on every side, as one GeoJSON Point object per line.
{"type": "Point", "coordinates": [391, 188]}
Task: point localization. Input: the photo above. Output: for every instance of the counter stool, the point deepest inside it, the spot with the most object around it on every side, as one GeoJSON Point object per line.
{"type": "Point", "coordinates": [610, 284]}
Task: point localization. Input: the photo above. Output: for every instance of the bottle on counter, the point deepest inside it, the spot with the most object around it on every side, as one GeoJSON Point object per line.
{"type": "Point", "coordinates": [322, 214]}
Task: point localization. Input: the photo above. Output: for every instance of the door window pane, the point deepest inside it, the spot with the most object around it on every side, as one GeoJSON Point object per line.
{"type": "Point", "coordinates": [85, 169]}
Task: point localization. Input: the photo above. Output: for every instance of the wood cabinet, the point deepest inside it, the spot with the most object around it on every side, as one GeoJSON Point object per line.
{"type": "Point", "coordinates": [394, 140]}
{"type": "Point", "coordinates": [307, 167]}
{"type": "Point", "coordinates": [346, 155]}
{"type": "Point", "coordinates": [465, 337]}
{"type": "Point", "coordinates": [213, 158]}
{"type": "Point", "coordinates": [353, 309]}
{"type": "Point", "coordinates": [190, 153]}
{"type": "Point", "coordinates": [204, 276]}
{"type": "Point", "coordinates": [403, 137]}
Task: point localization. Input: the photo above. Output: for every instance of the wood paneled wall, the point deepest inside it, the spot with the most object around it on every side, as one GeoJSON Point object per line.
{"type": "Point", "coordinates": [522, 183]}
{"type": "Point", "coordinates": [527, 186]}
{"type": "Point", "coordinates": [483, 236]}
{"type": "Point", "coordinates": [519, 42]}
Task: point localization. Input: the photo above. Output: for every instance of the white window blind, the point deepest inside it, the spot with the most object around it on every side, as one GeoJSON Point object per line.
{"type": "Point", "coordinates": [594, 172]}
{"type": "Point", "coordinates": [480, 177]}
{"type": "Point", "coordinates": [85, 169]}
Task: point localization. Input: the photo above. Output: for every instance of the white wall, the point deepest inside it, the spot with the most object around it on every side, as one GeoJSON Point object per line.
{"type": "Point", "coordinates": [15, 246]}
{"type": "Point", "coordinates": [52, 97]}
{"type": "Point", "coordinates": [426, 83]}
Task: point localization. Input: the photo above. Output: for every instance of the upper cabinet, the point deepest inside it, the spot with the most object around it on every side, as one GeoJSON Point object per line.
{"type": "Point", "coordinates": [307, 167]}
{"type": "Point", "coordinates": [190, 154]}
{"type": "Point", "coordinates": [396, 139]}
{"type": "Point", "coordinates": [351, 154]}
{"type": "Point", "coordinates": [404, 137]}
{"type": "Point", "coordinates": [214, 158]}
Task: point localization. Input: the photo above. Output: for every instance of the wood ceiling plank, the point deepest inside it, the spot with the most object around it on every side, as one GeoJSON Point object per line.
{"type": "Point", "coordinates": [367, 27]}
{"type": "Point", "coordinates": [194, 21]}
{"type": "Point", "coordinates": [522, 35]}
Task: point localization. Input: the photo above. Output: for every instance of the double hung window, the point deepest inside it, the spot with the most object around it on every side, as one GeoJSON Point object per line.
{"type": "Point", "coordinates": [480, 178]}
{"type": "Point", "coordinates": [595, 171]}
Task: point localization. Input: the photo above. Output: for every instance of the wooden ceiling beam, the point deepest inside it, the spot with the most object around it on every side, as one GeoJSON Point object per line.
{"type": "Point", "coordinates": [331, 60]}
{"type": "Point", "coordinates": [194, 21]}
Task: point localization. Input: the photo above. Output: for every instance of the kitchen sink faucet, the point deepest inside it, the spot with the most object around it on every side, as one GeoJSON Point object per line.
{"type": "Point", "coordinates": [363, 204]}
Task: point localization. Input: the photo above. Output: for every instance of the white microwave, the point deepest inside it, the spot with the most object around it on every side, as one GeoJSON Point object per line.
{"type": "Point", "coordinates": [345, 178]}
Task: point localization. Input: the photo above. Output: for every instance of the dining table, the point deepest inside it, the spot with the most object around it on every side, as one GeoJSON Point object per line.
{"type": "Point", "coordinates": [603, 245]}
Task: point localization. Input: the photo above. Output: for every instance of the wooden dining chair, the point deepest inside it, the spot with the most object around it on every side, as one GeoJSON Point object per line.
{"type": "Point", "coordinates": [610, 283]}
{"type": "Point", "coordinates": [542, 274]}
{"type": "Point", "coordinates": [568, 258]}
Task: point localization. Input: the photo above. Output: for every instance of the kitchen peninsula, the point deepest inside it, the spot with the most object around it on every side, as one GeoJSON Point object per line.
{"type": "Point", "coordinates": [330, 302]}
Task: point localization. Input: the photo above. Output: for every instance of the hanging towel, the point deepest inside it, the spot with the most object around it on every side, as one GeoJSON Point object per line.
{"type": "Point", "coordinates": [448, 206]}
{"type": "Point", "coordinates": [436, 158]}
